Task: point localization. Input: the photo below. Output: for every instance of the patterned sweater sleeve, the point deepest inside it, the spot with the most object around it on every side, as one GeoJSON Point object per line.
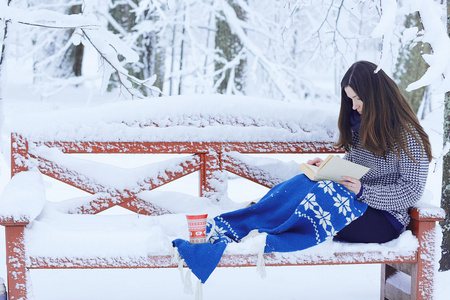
{"type": "Point", "coordinates": [395, 184]}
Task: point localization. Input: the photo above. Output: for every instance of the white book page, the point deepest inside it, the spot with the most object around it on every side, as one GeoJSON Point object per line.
{"type": "Point", "coordinates": [338, 167]}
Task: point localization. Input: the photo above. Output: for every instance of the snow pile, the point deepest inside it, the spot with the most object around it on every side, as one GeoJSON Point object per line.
{"type": "Point", "coordinates": [186, 118]}
{"type": "Point", "coordinates": [400, 280]}
{"type": "Point", "coordinates": [23, 197]}
{"type": "Point", "coordinates": [274, 169]}
{"type": "Point", "coordinates": [55, 234]}
{"type": "Point", "coordinates": [107, 175]}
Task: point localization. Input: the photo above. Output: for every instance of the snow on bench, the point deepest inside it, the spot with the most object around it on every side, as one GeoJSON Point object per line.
{"type": "Point", "coordinates": [217, 132]}
{"type": "Point", "coordinates": [212, 118]}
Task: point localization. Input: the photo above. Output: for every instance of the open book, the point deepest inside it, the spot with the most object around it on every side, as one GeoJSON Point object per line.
{"type": "Point", "coordinates": [333, 168]}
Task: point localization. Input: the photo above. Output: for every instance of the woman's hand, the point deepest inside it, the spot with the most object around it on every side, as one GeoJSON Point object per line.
{"type": "Point", "coordinates": [315, 162]}
{"type": "Point", "coordinates": [352, 184]}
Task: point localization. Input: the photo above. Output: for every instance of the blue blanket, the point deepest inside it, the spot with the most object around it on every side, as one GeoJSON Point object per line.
{"type": "Point", "coordinates": [296, 214]}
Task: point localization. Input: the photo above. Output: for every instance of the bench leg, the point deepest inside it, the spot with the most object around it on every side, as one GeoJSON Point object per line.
{"type": "Point", "coordinates": [421, 273]}
{"type": "Point", "coordinates": [15, 262]}
{"type": "Point", "coordinates": [423, 283]}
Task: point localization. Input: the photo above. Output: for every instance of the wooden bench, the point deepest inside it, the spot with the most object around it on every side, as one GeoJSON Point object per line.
{"type": "Point", "coordinates": [211, 160]}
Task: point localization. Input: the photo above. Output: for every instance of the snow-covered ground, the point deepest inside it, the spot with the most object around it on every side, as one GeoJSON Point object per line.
{"type": "Point", "coordinates": [318, 282]}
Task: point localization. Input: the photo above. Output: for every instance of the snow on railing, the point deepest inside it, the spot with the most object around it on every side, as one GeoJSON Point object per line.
{"type": "Point", "coordinates": [186, 118]}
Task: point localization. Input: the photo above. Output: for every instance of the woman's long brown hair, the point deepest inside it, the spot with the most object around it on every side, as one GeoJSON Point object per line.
{"type": "Point", "coordinates": [386, 116]}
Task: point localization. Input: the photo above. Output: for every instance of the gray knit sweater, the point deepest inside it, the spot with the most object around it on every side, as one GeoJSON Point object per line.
{"type": "Point", "coordinates": [393, 184]}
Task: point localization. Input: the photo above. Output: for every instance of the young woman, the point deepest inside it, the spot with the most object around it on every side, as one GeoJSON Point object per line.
{"type": "Point", "coordinates": [379, 130]}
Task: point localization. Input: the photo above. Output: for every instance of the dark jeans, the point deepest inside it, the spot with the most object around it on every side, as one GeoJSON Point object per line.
{"type": "Point", "coordinates": [372, 227]}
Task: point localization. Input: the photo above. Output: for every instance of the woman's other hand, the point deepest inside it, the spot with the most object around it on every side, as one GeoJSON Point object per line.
{"type": "Point", "coordinates": [315, 162]}
{"type": "Point", "coordinates": [352, 184]}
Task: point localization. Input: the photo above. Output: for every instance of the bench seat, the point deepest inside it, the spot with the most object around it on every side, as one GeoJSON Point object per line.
{"type": "Point", "coordinates": [130, 241]}
{"type": "Point", "coordinates": [328, 253]}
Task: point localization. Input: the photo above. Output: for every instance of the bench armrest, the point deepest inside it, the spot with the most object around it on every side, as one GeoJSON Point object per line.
{"type": "Point", "coordinates": [423, 221]}
{"type": "Point", "coordinates": [425, 212]}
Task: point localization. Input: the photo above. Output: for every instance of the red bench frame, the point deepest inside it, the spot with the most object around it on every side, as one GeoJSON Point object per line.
{"type": "Point", "coordinates": [207, 158]}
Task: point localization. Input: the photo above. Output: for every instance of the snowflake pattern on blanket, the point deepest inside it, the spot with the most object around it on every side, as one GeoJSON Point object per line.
{"type": "Point", "coordinates": [295, 215]}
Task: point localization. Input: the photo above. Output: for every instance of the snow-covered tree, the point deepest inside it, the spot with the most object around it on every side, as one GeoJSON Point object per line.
{"type": "Point", "coordinates": [140, 25]}
{"type": "Point", "coordinates": [410, 65]}
{"type": "Point", "coordinates": [86, 29]}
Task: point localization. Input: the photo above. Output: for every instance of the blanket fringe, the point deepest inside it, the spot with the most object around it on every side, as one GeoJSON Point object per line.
{"type": "Point", "coordinates": [188, 283]}
{"type": "Point", "coordinates": [262, 237]}
{"type": "Point", "coordinates": [261, 264]}
{"type": "Point", "coordinates": [176, 257]}
{"type": "Point", "coordinates": [199, 291]}
{"type": "Point", "coordinates": [177, 260]}
{"type": "Point", "coordinates": [185, 279]}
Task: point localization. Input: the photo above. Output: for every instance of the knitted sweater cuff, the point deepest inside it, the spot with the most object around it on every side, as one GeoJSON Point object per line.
{"type": "Point", "coordinates": [360, 192]}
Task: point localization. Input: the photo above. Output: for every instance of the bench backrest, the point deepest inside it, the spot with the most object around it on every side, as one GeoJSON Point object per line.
{"type": "Point", "coordinates": [214, 131]}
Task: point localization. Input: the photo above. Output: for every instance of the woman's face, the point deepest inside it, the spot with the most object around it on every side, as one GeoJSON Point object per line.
{"type": "Point", "coordinates": [357, 103]}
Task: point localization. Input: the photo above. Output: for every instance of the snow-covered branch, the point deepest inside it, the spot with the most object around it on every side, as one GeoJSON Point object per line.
{"type": "Point", "coordinates": [109, 47]}
{"type": "Point", "coordinates": [432, 15]}
{"type": "Point", "coordinates": [45, 18]}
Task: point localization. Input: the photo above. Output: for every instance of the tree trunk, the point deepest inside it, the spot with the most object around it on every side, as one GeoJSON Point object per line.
{"type": "Point", "coordinates": [445, 200]}
{"type": "Point", "coordinates": [77, 52]}
{"type": "Point", "coordinates": [229, 45]}
{"type": "Point", "coordinates": [160, 66]}
{"type": "Point", "coordinates": [180, 68]}
{"type": "Point", "coordinates": [148, 57]}
{"type": "Point", "coordinates": [411, 66]}
{"type": "Point", "coordinates": [123, 14]}
{"type": "Point", "coordinates": [3, 41]}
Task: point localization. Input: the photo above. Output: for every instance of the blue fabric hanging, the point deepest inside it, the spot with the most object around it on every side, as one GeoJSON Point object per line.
{"type": "Point", "coordinates": [296, 214]}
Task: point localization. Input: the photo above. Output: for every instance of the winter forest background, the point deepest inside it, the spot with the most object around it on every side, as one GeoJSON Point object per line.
{"type": "Point", "coordinates": [266, 48]}
{"type": "Point", "coordinates": [292, 50]}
